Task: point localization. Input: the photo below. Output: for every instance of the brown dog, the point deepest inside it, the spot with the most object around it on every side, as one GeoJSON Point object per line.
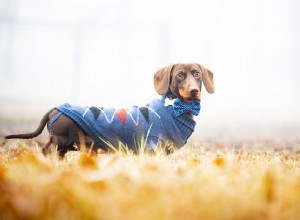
{"type": "Point", "coordinates": [182, 81]}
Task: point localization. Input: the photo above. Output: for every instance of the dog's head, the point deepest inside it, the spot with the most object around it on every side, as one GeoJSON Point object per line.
{"type": "Point", "coordinates": [183, 81]}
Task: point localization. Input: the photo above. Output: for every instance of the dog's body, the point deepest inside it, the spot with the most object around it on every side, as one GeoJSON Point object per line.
{"type": "Point", "coordinates": [155, 122]}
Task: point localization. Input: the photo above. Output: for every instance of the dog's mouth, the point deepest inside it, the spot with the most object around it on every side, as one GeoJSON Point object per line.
{"type": "Point", "coordinates": [191, 99]}
{"type": "Point", "coordinates": [188, 97]}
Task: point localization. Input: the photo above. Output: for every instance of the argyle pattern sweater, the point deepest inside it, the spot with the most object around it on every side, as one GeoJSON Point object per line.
{"type": "Point", "coordinates": [154, 121]}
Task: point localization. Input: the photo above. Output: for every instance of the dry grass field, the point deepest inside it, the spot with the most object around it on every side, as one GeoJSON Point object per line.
{"type": "Point", "coordinates": [206, 180]}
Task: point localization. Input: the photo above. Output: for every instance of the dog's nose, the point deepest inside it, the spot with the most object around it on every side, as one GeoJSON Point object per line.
{"type": "Point", "coordinates": [194, 91]}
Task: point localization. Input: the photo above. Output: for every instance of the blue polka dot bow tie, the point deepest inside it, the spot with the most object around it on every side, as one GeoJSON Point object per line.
{"type": "Point", "coordinates": [181, 107]}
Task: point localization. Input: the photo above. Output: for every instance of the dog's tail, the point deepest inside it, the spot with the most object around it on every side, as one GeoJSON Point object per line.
{"type": "Point", "coordinates": [38, 131]}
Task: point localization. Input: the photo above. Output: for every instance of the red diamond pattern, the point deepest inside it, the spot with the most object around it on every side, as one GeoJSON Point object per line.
{"type": "Point", "coordinates": [121, 113]}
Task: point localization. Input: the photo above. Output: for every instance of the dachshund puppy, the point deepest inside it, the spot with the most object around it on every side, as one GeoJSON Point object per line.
{"type": "Point", "coordinates": [155, 123]}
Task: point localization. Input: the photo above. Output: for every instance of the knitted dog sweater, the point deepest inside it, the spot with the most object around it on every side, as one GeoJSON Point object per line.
{"type": "Point", "coordinates": [155, 121]}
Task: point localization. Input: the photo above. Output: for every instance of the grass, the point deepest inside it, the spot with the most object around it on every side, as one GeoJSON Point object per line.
{"type": "Point", "coordinates": [193, 183]}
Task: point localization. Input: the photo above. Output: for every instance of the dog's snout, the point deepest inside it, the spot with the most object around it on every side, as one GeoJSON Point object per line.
{"type": "Point", "coordinates": [194, 91]}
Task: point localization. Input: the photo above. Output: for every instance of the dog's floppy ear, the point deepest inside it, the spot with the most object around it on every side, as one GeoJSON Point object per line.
{"type": "Point", "coordinates": [162, 79]}
{"type": "Point", "coordinates": [208, 79]}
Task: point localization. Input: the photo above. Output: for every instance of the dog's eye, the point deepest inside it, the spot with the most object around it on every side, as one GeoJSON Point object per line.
{"type": "Point", "coordinates": [180, 75]}
{"type": "Point", "coordinates": [197, 74]}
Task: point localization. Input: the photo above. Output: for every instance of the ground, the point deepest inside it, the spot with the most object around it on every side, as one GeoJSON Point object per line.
{"type": "Point", "coordinates": [210, 178]}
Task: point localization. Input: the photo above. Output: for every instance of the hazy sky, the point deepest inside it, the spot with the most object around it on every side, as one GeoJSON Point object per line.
{"type": "Point", "coordinates": [106, 52]}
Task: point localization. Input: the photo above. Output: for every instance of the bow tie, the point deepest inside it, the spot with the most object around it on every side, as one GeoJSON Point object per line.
{"type": "Point", "coordinates": [181, 107]}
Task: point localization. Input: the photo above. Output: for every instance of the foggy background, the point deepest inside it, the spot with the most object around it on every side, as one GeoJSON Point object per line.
{"type": "Point", "coordinates": [104, 53]}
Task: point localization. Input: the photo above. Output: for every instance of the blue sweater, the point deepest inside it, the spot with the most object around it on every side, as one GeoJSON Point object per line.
{"type": "Point", "coordinates": [128, 125]}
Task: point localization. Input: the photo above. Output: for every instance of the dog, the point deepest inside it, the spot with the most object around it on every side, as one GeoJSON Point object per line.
{"type": "Point", "coordinates": [155, 123]}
